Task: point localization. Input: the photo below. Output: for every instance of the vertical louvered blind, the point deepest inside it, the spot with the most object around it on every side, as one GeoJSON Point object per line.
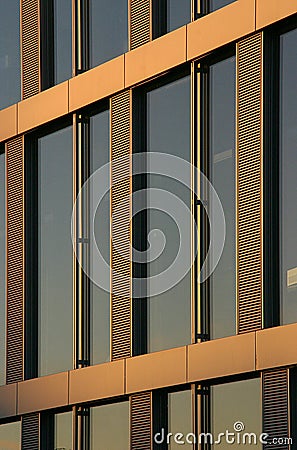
{"type": "Point", "coordinates": [140, 20]}
{"type": "Point", "coordinates": [141, 419]}
{"type": "Point", "coordinates": [30, 432]}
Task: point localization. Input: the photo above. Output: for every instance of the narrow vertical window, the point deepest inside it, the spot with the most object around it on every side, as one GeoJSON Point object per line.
{"type": "Point", "coordinates": [2, 267]}
{"type": "Point", "coordinates": [63, 431]}
{"type": "Point", "coordinates": [180, 418]}
{"type": "Point", "coordinates": [178, 13]}
{"type": "Point", "coordinates": [10, 436]}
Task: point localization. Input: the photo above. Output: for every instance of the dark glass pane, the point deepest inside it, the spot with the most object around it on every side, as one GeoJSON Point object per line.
{"type": "Point", "coordinates": [109, 30]}
{"type": "Point", "coordinates": [217, 4]}
{"type": "Point", "coordinates": [2, 269]}
{"type": "Point", "coordinates": [100, 315]}
{"type": "Point", "coordinates": [10, 64]}
{"type": "Point", "coordinates": [178, 13]}
{"type": "Point", "coordinates": [110, 427]}
{"type": "Point", "coordinates": [62, 39]}
{"type": "Point", "coordinates": [169, 132]}
{"type": "Point", "coordinates": [10, 436]}
{"type": "Point", "coordinates": [288, 139]}
{"type": "Point", "coordinates": [233, 402]}
{"type": "Point", "coordinates": [180, 418]}
{"type": "Point", "coordinates": [222, 157]}
{"type": "Point", "coordinates": [63, 431]}
{"type": "Point", "coordinates": [55, 252]}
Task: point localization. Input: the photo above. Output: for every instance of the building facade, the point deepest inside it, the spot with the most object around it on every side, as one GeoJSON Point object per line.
{"type": "Point", "coordinates": [148, 267]}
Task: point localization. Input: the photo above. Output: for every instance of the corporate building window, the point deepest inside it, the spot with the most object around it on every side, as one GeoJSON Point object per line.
{"type": "Point", "coordinates": [10, 436]}
{"type": "Point", "coordinates": [180, 419]}
{"type": "Point", "coordinates": [217, 4]}
{"type": "Point", "coordinates": [2, 267]}
{"type": "Point", "coordinates": [288, 182]}
{"type": "Point", "coordinates": [10, 62]}
{"type": "Point", "coordinates": [63, 431]}
{"type": "Point", "coordinates": [109, 426]}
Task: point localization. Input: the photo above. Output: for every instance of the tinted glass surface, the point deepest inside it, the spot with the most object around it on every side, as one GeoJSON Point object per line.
{"type": "Point", "coordinates": [63, 431]}
{"type": "Point", "coordinates": [109, 30]}
{"type": "Point", "coordinates": [62, 39]}
{"type": "Point", "coordinates": [169, 132]}
{"type": "Point", "coordinates": [110, 427]}
{"type": "Point", "coordinates": [178, 13]}
{"type": "Point", "coordinates": [233, 402]}
{"type": "Point", "coordinates": [222, 162]}
{"type": "Point", "coordinates": [180, 417]}
{"type": "Point", "coordinates": [100, 315]}
{"type": "Point", "coordinates": [2, 269]}
{"type": "Point", "coordinates": [55, 252]}
{"type": "Point", "coordinates": [10, 436]}
{"type": "Point", "coordinates": [288, 139]}
{"type": "Point", "coordinates": [217, 4]}
{"type": "Point", "coordinates": [10, 64]}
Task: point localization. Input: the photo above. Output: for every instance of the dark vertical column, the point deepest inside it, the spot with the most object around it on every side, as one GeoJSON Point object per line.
{"type": "Point", "coordinates": [30, 47]}
{"type": "Point", "coordinates": [139, 23]}
{"type": "Point", "coordinates": [249, 183]}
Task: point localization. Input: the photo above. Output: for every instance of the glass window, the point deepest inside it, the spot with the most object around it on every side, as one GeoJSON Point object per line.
{"type": "Point", "coordinates": [100, 302]}
{"type": "Point", "coordinates": [168, 124]}
{"type": "Point", "coordinates": [222, 177]}
{"type": "Point", "coordinates": [217, 4]}
{"type": "Point", "coordinates": [178, 13]}
{"type": "Point", "coordinates": [2, 268]}
{"type": "Point", "coordinates": [108, 30]}
{"type": "Point", "coordinates": [10, 62]}
{"type": "Point", "coordinates": [288, 138]}
{"type": "Point", "coordinates": [236, 402]}
{"type": "Point", "coordinates": [55, 199]}
{"type": "Point", "coordinates": [179, 418]}
{"type": "Point", "coordinates": [63, 431]}
{"type": "Point", "coordinates": [110, 427]}
{"type": "Point", "coordinates": [10, 436]}
{"type": "Point", "coordinates": [62, 40]}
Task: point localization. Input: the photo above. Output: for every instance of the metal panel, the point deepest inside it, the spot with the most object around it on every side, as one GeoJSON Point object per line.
{"type": "Point", "coordinates": [249, 183]}
{"type": "Point", "coordinates": [15, 256]}
{"type": "Point", "coordinates": [275, 406]}
{"type": "Point", "coordinates": [30, 432]}
{"type": "Point", "coordinates": [30, 47]}
{"type": "Point", "coordinates": [140, 19]}
{"type": "Point", "coordinates": [141, 419]}
{"type": "Point", "coordinates": [121, 227]}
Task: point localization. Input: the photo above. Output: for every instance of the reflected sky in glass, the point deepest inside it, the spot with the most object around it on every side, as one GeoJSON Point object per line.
{"type": "Point", "coordinates": [217, 4]}
{"type": "Point", "coordinates": [100, 303]}
{"type": "Point", "coordinates": [178, 13]}
{"type": "Point", "coordinates": [109, 30]}
{"type": "Point", "coordinates": [288, 143]}
{"type": "Point", "coordinates": [10, 436]}
{"type": "Point", "coordinates": [222, 155]}
{"type": "Point", "coordinates": [63, 40]}
{"type": "Point", "coordinates": [169, 132]}
{"type": "Point", "coordinates": [110, 428]}
{"type": "Point", "coordinates": [10, 64]}
{"type": "Point", "coordinates": [2, 269]}
{"type": "Point", "coordinates": [180, 417]}
{"type": "Point", "coordinates": [63, 431]}
{"type": "Point", "coordinates": [55, 201]}
{"type": "Point", "coordinates": [233, 402]}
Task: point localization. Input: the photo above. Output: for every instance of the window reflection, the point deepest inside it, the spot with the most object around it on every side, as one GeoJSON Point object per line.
{"type": "Point", "coordinates": [288, 139]}
{"type": "Point", "coordinates": [2, 268]}
{"type": "Point", "coordinates": [10, 64]}
{"type": "Point", "coordinates": [10, 436]}
{"type": "Point", "coordinates": [63, 431]}
{"type": "Point", "coordinates": [62, 40]}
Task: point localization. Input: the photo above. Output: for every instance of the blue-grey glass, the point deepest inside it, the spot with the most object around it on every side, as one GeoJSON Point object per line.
{"type": "Point", "coordinates": [288, 140]}
{"type": "Point", "coordinates": [55, 252]}
{"type": "Point", "coordinates": [110, 427]}
{"type": "Point", "coordinates": [63, 431]}
{"type": "Point", "coordinates": [222, 154]}
{"type": "Point", "coordinates": [236, 402]}
{"type": "Point", "coordinates": [63, 40]}
{"type": "Point", "coordinates": [10, 436]}
{"type": "Point", "coordinates": [180, 417]}
{"type": "Point", "coordinates": [217, 4]}
{"type": "Point", "coordinates": [2, 269]}
{"type": "Point", "coordinates": [100, 304]}
{"type": "Point", "coordinates": [10, 59]}
{"type": "Point", "coordinates": [109, 30]}
{"type": "Point", "coordinates": [178, 13]}
{"type": "Point", "coordinates": [169, 323]}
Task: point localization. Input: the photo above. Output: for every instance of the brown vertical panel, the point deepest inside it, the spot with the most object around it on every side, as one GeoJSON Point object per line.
{"type": "Point", "coordinates": [121, 227]}
{"type": "Point", "coordinates": [30, 432]}
{"type": "Point", "coordinates": [140, 22]}
{"type": "Point", "coordinates": [30, 47]}
{"type": "Point", "coordinates": [141, 419]}
{"type": "Point", "coordinates": [249, 183]}
{"type": "Point", "coordinates": [15, 256]}
{"type": "Point", "coordinates": [275, 406]}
